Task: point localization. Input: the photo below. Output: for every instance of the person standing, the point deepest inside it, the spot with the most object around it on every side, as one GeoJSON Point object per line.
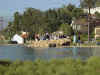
{"type": "Point", "coordinates": [74, 39]}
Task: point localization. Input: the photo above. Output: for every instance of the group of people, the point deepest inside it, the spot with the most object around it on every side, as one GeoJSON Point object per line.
{"type": "Point", "coordinates": [76, 39]}
{"type": "Point", "coordinates": [48, 36]}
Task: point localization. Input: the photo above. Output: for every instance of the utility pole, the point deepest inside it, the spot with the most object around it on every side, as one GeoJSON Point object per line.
{"type": "Point", "coordinates": [89, 14]}
{"type": "Point", "coordinates": [88, 28]}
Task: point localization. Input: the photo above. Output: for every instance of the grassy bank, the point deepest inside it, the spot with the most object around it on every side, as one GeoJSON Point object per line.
{"type": "Point", "coordinates": [4, 42]}
{"type": "Point", "coordinates": [66, 66]}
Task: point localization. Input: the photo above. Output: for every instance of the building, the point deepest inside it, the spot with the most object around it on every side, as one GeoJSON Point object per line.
{"type": "Point", "coordinates": [97, 29]}
{"type": "Point", "coordinates": [92, 10]}
{"type": "Point", "coordinates": [81, 25]}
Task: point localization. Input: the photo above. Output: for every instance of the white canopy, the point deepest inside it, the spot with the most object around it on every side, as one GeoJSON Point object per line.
{"type": "Point", "coordinates": [18, 39]}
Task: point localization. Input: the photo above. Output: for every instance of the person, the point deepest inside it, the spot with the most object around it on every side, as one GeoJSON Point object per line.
{"type": "Point", "coordinates": [47, 36]}
{"type": "Point", "coordinates": [79, 39]}
{"type": "Point", "coordinates": [37, 37]}
{"type": "Point", "coordinates": [74, 38]}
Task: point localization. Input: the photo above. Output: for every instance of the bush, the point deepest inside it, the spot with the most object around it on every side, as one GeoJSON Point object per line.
{"type": "Point", "coordinates": [67, 66]}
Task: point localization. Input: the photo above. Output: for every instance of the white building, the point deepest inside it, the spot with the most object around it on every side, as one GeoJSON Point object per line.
{"type": "Point", "coordinates": [93, 10]}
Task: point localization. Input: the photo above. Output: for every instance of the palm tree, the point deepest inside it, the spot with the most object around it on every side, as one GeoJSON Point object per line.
{"type": "Point", "coordinates": [88, 4]}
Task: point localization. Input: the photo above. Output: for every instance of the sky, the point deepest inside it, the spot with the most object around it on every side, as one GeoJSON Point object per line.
{"type": "Point", "coordinates": [8, 7]}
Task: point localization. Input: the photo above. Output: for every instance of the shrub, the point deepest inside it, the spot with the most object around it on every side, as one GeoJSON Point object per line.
{"type": "Point", "coordinates": [67, 66]}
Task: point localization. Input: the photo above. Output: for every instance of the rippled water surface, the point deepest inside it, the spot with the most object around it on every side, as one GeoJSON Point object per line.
{"type": "Point", "coordinates": [14, 52]}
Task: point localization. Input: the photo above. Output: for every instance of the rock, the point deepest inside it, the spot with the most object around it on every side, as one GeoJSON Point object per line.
{"type": "Point", "coordinates": [50, 43]}
{"type": "Point", "coordinates": [2, 37]}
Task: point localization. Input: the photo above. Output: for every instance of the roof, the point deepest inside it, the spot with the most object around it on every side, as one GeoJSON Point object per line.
{"type": "Point", "coordinates": [81, 22]}
{"type": "Point", "coordinates": [84, 21]}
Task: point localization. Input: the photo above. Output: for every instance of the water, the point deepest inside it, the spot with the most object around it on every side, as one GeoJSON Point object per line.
{"type": "Point", "coordinates": [14, 52]}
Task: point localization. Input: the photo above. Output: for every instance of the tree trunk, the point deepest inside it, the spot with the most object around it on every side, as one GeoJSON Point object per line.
{"type": "Point", "coordinates": [89, 11]}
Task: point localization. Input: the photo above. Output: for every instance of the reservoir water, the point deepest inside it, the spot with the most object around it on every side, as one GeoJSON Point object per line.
{"type": "Point", "coordinates": [20, 52]}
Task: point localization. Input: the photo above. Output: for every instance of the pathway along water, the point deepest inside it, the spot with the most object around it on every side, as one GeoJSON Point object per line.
{"type": "Point", "coordinates": [20, 52]}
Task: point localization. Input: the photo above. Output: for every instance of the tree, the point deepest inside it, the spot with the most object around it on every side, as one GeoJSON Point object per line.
{"type": "Point", "coordinates": [97, 14]}
{"type": "Point", "coordinates": [98, 3]}
{"type": "Point", "coordinates": [36, 21]}
{"type": "Point", "coordinates": [71, 7]}
{"type": "Point", "coordinates": [17, 21]}
{"type": "Point", "coordinates": [77, 12]}
{"type": "Point", "coordinates": [88, 4]}
{"type": "Point", "coordinates": [66, 29]}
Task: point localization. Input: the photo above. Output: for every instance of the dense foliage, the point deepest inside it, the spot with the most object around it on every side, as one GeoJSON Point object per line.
{"type": "Point", "coordinates": [66, 66]}
{"type": "Point", "coordinates": [89, 3]}
{"type": "Point", "coordinates": [36, 21]}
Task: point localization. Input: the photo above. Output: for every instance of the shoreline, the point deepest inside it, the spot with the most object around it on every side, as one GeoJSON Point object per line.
{"type": "Point", "coordinates": [92, 46]}
{"type": "Point", "coordinates": [71, 46]}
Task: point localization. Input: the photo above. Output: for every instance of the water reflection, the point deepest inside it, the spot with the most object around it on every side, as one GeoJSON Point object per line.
{"type": "Point", "coordinates": [75, 52]}
{"type": "Point", "coordinates": [20, 52]}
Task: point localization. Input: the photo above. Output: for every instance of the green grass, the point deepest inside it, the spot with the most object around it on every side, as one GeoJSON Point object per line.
{"type": "Point", "coordinates": [67, 66]}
